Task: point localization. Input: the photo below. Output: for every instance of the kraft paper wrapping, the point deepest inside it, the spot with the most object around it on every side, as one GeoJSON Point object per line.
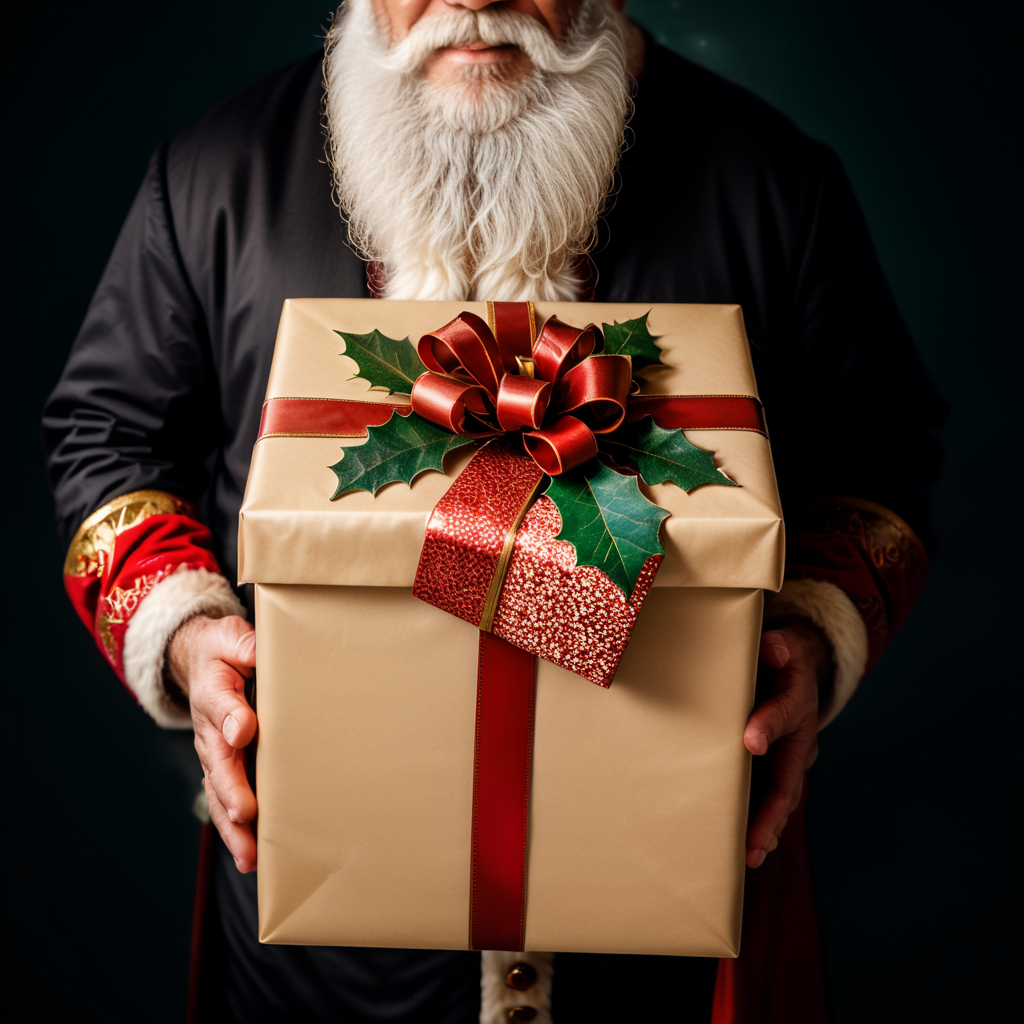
{"type": "Point", "coordinates": [290, 533]}
{"type": "Point", "coordinates": [366, 696]}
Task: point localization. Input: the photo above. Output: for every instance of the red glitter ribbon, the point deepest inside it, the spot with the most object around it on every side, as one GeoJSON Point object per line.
{"type": "Point", "coordinates": [491, 559]}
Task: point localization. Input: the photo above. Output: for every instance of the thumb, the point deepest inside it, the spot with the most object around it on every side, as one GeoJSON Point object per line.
{"type": "Point", "coordinates": [774, 650]}
{"type": "Point", "coordinates": [233, 640]}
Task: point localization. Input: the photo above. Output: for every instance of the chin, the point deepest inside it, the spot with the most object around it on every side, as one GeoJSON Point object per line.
{"type": "Point", "coordinates": [482, 97]}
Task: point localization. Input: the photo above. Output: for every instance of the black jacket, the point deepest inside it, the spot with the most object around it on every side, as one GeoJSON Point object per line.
{"type": "Point", "coordinates": [722, 200]}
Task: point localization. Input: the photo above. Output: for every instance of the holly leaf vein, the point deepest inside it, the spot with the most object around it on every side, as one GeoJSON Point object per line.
{"type": "Point", "coordinates": [399, 449]}
{"type": "Point", "coordinates": [383, 361]}
{"type": "Point", "coordinates": [663, 456]}
{"type": "Point", "coordinates": [631, 338]}
{"type": "Point", "coordinates": [609, 522]}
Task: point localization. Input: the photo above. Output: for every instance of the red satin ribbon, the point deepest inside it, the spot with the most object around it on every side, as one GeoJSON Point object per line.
{"type": "Point", "coordinates": [324, 417]}
{"type": "Point", "coordinates": [501, 794]}
{"type": "Point", "coordinates": [337, 417]}
{"type": "Point", "coordinates": [699, 412]}
{"type": "Point", "coordinates": [488, 379]}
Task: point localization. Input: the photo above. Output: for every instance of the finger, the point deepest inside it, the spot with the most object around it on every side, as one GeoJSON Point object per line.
{"type": "Point", "coordinates": [774, 650]}
{"type": "Point", "coordinates": [224, 768]}
{"type": "Point", "coordinates": [218, 697]}
{"type": "Point", "coordinates": [238, 838]}
{"type": "Point", "coordinates": [783, 794]}
{"type": "Point", "coordinates": [778, 716]}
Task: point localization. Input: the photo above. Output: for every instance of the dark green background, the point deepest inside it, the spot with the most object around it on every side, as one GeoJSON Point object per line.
{"type": "Point", "coordinates": [914, 816]}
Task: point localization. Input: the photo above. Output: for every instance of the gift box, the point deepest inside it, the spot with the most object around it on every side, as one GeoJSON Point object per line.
{"type": "Point", "coordinates": [401, 804]}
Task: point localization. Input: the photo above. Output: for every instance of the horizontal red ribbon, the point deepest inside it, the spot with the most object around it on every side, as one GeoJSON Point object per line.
{"type": "Point", "coordinates": [699, 412]}
{"type": "Point", "coordinates": [324, 417]}
{"type": "Point", "coordinates": [340, 417]}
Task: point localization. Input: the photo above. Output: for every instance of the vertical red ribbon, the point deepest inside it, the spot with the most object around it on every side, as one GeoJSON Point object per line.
{"type": "Point", "coordinates": [514, 326]}
{"type": "Point", "coordinates": [501, 794]}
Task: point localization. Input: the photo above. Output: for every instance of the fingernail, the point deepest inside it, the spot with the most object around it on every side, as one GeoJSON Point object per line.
{"type": "Point", "coordinates": [761, 743]}
{"type": "Point", "coordinates": [772, 843]}
{"type": "Point", "coordinates": [230, 729]}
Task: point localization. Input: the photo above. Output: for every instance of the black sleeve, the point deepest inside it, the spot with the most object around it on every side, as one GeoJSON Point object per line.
{"type": "Point", "coordinates": [137, 406]}
{"type": "Point", "coordinates": [853, 410]}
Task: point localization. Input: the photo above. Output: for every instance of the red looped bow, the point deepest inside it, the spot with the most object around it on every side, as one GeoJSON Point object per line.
{"type": "Point", "coordinates": [557, 396]}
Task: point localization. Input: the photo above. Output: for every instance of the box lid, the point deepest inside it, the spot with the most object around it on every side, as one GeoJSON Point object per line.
{"type": "Point", "coordinates": [291, 532]}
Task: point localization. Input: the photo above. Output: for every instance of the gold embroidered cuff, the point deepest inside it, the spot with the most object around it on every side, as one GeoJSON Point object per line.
{"type": "Point", "coordinates": [93, 543]}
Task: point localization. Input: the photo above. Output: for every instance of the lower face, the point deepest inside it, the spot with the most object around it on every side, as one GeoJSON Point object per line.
{"type": "Point", "coordinates": [456, 64]}
{"type": "Point", "coordinates": [477, 60]}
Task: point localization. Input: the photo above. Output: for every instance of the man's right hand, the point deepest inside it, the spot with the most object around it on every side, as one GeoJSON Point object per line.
{"type": "Point", "coordinates": [210, 659]}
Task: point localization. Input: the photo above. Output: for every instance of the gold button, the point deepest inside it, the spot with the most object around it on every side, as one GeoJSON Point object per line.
{"type": "Point", "coordinates": [521, 977]}
{"type": "Point", "coordinates": [522, 1013]}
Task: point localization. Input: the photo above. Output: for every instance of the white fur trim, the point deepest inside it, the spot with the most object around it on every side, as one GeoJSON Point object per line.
{"type": "Point", "coordinates": [174, 599]}
{"type": "Point", "coordinates": [832, 611]}
{"type": "Point", "coordinates": [496, 998]}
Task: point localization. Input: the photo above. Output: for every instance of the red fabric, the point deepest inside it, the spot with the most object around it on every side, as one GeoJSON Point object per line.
{"type": "Point", "coordinates": [464, 347]}
{"type": "Point", "coordinates": [562, 445]}
{"type": "Point", "coordinates": [478, 389]}
{"type": "Point", "coordinates": [199, 961]}
{"type": "Point", "coordinates": [109, 593]}
{"type": "Point", "coordinates": [560, 347]}
{"type": "Point", "coordinates": [778, 976]}
{"type": "Point", "coordinates": [467, 530]}
{"type": "Point", "coordinates": [868, 553]}
{"type": "Point", "coordinates": [699, 412]}
{"type": "Point", "coordinates": [501, 794]}
{"type": "Point", "coordinates": [330, 417]}
{"type": "Point", "coordinates": [515, 330]}
{"type": "Point", "coordinates": [837, 560]}
{"type": "Point", "coordinates": [324, 417]}
{"type": "Point", "coordinates": [597, 391]}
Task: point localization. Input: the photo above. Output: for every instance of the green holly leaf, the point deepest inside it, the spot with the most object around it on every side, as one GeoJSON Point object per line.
{"type": "Point", "coordinates": [400, 449]}
{"type": "Point", "coordinates": [384, 362]}
{"type": "Point", "coordinates": [631, 338]}
{"type": "Point", "coordinates": [609, 522]}
{"type": "Point", "coordinates": [662, 455]}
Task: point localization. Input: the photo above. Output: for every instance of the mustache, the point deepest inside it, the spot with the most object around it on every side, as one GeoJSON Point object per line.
{"type": "Point", "coordinates": [494, 27]}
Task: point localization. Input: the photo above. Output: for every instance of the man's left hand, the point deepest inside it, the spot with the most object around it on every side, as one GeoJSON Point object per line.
{"type": "Point", "coordinates": [793, 661]}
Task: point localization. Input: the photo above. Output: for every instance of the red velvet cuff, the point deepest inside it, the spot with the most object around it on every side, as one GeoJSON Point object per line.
{"type": "Point", "coordinates": [121, 552]}
{"type": "Point", "coordinates": [869, 553]}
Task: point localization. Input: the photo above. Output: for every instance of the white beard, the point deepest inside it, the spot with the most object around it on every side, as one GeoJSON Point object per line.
{"type": "Point", "coordinates": [488, 188]}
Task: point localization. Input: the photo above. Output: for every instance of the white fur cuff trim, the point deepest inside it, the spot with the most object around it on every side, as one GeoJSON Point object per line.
{"type": "Point", "coordinates": [832, 611]}
{"type": "Point", "coordinates": [174, 599]}
{"type": "Point", "coordinates": [496, 998]}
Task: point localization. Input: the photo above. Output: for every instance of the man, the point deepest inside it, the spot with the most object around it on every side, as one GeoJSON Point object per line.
{"type": "Point", "coordinates": [473, 147]}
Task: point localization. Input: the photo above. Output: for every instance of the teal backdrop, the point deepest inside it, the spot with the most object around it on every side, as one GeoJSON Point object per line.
{"type": "Point", "coordinates": [914, 805]}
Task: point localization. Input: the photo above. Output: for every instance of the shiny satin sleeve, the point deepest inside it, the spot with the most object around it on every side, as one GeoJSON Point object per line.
{"type": "Point", "coordinates": [136, 407]}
